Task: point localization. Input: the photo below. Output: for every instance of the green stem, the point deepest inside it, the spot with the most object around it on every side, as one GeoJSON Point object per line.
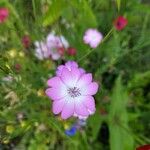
{"type": "Point", "coordinates": [34, 8]}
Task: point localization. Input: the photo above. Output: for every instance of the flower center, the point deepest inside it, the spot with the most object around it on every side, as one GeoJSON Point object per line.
{"type": "Point", "coordinates": [119, 24]}
{"type": "Point", "coordinates": [74, 92]}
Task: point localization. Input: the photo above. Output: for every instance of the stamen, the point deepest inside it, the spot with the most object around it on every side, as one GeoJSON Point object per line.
{"type": "Point", "coordinates": [74, 92]}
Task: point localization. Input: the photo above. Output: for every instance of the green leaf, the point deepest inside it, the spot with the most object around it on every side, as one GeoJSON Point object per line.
{"type": "Point", "coordinates": [141, 8]}
{"type": "Point", "coordinates": [118, 4]}
{"type": "Point", "coordinates": [95, 123]}
{"type": "Point", "coordinates": [54, 12]}
{"type": "Point", "coordinates": [139, 80]}
{"type": "Point", "coordinates": [120, 134]}
{"type": "Point", "coordinates": [85, 13]}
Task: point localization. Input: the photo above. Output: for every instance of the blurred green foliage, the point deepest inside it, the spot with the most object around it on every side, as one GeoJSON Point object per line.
{"type": "Point", "coordinates": [121, 65]}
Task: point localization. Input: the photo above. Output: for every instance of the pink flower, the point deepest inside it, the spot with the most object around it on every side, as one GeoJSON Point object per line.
{"type": "Point", "coordinates": [120, 23]}
{"type": "Point", "coordinates": [71, 51]}
{"type": "Point", "coordinates": [26, 41]}
{"type": "Point", "coordinates": [69, 65]}
{"type": "Point", "coordinates": [72, 93]}
{"type": "Point", "coordinates": [92, 37]}
{"type": "Point", "coordinates": [3, 14]}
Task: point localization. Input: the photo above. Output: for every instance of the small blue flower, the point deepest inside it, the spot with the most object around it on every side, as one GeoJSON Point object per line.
{"type": "Point", "coordinates": [71, 131]}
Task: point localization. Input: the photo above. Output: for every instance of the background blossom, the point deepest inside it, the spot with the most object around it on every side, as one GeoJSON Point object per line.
{"type": "Point", "coordinates": [54, 47]}
{"type": "Point", "coordinates": [92, 37]}
{"type": "Point", "coordinates": [26, 41]}
{"type": "Point", "coordinates": [71, 51]}
{"type": "Point", "coordinates": [4, 13]}
{"type": "Point", "coordinates": [42, 51]}
{"type": "Point", "coordinates": [120, 23]}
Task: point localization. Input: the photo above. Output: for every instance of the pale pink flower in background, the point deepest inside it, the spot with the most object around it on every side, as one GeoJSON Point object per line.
{"type": "Point", "coordinates": [72, 93]}
{"type": "Point", "coordinates": [4, 13]}
{"type": "Point", "coordinates": [92, 37]}
{"type": "Point", "coordinates": [55, 43]}
{"type": "Point", "coordinates": [54, 47]}
{"type": "Point", "coordinates": [41, 50]}
{"type": "Point", "coordinates": [69, 65]}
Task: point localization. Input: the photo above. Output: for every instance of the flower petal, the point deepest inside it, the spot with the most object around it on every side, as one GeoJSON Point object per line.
{"type": "Point", "coordinates": [55, 56]}
{"type": "Point", "coordinates": [68, 109]}
{"type": "Point", "coordinates": [91, 89]}
{"type": "Point", "coordinates": [66, 77]}
{"type": "Point", "coordinates": [63, 42]}
{"type": "Point", "coordinates": [55, 93]}
{"type": "Point", "coordinates": [75, 72]}
{"type": "Point", "coordinates": [55, 82]}
{"type": "Point", "coordinates": [84, 80]}
{"type": "Point", "coordinates": [57, 106]}
{"type": "Point", "coordinates": [82, 71]}
{"type": "Point", "coordinates": [71, 64]}
{"type": "Point", "coordinates": [59, 70]}
{"type": "Point", "coordinates": [80, 108]}
{"type": "Point", "coordinates": [94, 44]}
{"type": "Point", "coordinates": [89, 102]}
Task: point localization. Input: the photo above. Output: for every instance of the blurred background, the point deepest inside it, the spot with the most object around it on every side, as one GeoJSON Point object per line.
{"type": "Point", "coordinates": [120, 65]}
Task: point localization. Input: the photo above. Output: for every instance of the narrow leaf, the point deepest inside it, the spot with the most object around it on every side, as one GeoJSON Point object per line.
{"type": "Point", "coordinates": [54, 12]}
{"type": "Point", "coordinates": [120, 134]}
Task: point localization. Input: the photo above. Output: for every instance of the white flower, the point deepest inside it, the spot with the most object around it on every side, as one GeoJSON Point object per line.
{"type": "Point", "coordinates": [51, 48]}
{"type": "Point", "coordinates": [41, 50]}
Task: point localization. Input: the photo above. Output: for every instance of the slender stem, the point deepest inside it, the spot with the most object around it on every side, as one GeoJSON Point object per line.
{"type": "Point", "coordinates": [91, 50]}
{"type": "Point", "coordinates": [84, 56]}
{"type": "Point", "coordinates": [108, 34]}
{"type": "Point", "coordinates": [34, 9]}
